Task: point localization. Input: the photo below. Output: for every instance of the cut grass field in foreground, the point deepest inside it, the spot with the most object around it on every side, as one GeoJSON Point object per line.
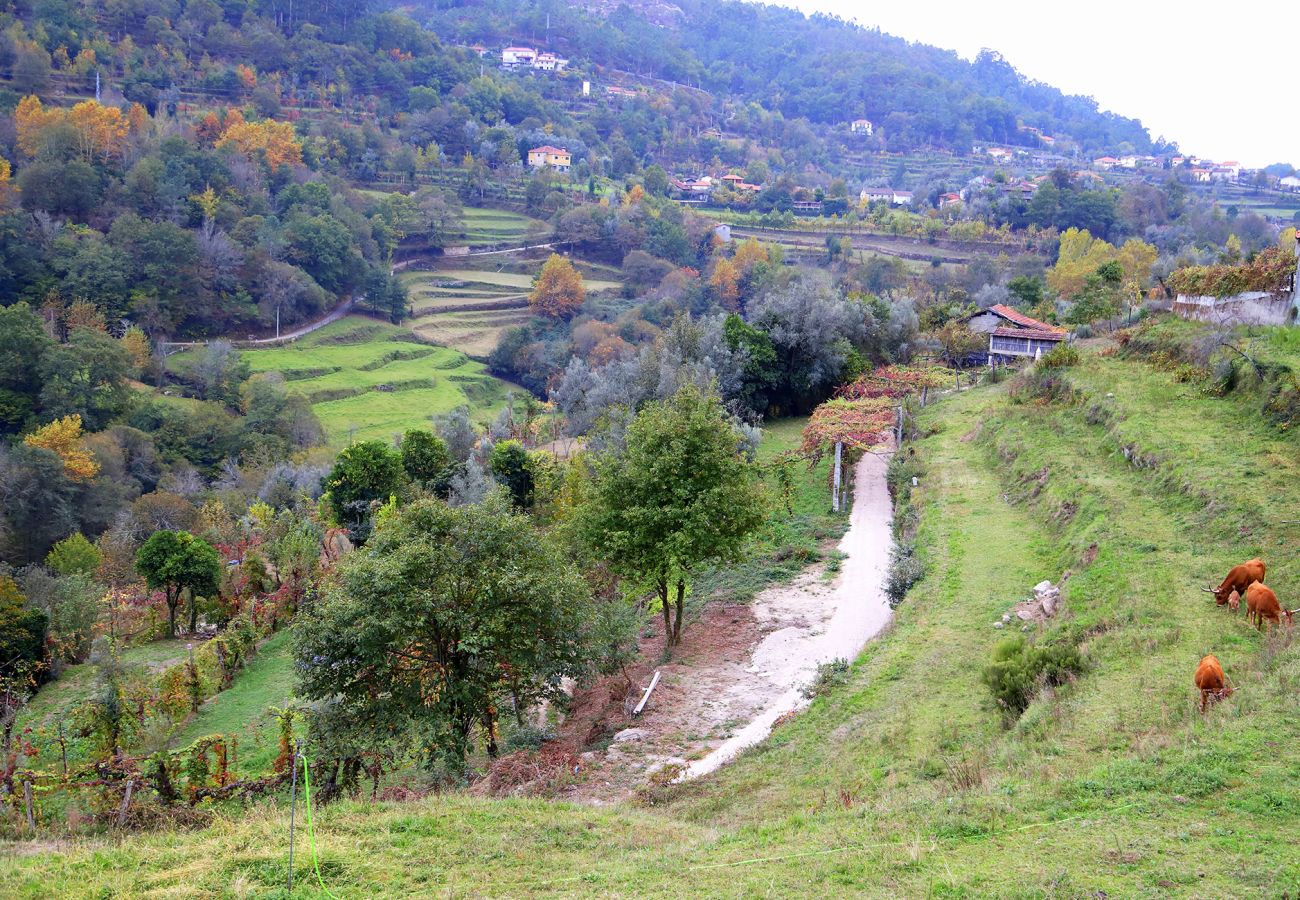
{"type": "Point", "coordinates": [904, 781]}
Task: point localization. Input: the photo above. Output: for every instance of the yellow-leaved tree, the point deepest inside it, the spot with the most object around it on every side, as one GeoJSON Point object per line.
{"type": "Point", "coordinates": [276, 141]}
{"type": "Point", "coordinates": [557, 289]}
{"type": "Point", "coordinates": [1080, 255]}
{"type": "Point", "coordinates": [62, 437]}
{"type": "Point", "coordinates": [136, 344]}
{"type": "Point", "coordinates": [1136, 258]}
{"type": "Point", "coordinates": [8, 190]}
{"type": "Point", "coordinates": [725, 283]}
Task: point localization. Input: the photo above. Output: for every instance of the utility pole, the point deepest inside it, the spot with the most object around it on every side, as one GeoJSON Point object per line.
{"type": "Point", "coordinates": [97, 85]}
{"type": "Point", "coordinates": [835, 491]}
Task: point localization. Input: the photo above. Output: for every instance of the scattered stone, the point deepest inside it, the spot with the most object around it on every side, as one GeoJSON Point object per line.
{"type": "Point", "coordinates": [1048, 596]}
{"type": "Point", "coordinates": [630, 734]}
{"type": "Point", "coordinates": [999, 624]}
{"type": "Point", "coordinates": [1006, 617]}
{"type": "Point", "coordinates": [1025, 615]}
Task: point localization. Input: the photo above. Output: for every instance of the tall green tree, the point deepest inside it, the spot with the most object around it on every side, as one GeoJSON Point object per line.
{"type": "Point", "coordinates": [363, 473]}
{"type": "Point", "coordinates": [177, 561]}
{"type": "Point", "coordinates": [86, 376]}
{"type": "Point", "coordinates": [425, 457]}
{"type": "Point", "coordinates": [678, 496]}
{"type": "Point", "coordinates": [447, 612]}
{"type": "Point", "coordinates": [512, 467]}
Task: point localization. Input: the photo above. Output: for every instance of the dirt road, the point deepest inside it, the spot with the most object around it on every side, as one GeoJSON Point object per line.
{"type": "Point", "coordinates": [832, 624]}
{"type": "Point", "coordinates": [741, 667]}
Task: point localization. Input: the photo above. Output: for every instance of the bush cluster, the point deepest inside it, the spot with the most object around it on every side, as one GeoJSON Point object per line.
{"type": "Point", "coordinates": [1020, 669]}
{"type": "Point", "coordinates": [1042, 386]}
{"type": "Point", "coordinates": [830, 675]}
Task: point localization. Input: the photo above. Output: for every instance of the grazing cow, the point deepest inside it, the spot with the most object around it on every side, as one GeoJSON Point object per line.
{"type": "Point", "coordinates": [1211, 681]}
{"type": "Point", "coordinates": [1262, 606]}
{"type": "Point", "coordinates": [1234, 602]}
{"type": "Point", "coordinates": [1240, 578]}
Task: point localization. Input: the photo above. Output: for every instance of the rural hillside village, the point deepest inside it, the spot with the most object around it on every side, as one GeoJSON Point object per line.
{"type": "Point", "coordinates": [646, 449]}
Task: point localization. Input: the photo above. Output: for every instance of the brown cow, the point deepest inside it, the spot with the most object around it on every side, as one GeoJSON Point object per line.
{"type": "Point", "coordinates": [1234, 602]}
{"type": "Point", "coordinates": [1262, 606]}
{"type": "Point", "coordinates": [1211, 681]}
{"type": "Point", "coordinates": [1240, 578]}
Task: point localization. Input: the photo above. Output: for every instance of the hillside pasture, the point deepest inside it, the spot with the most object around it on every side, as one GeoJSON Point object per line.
{"type": "Point", "coordinates": [368, 379]}
{"type": "Point", "coordinates": [907, 780]}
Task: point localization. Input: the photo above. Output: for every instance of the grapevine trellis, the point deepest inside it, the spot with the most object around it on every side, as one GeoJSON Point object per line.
{"type": "Point", "coordinates": [864, 411]}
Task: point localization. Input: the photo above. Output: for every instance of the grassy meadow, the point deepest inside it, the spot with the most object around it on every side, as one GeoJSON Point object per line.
{"type": "Point", "coordinates": [907, 780]}
{"type": "Point", "coordinates": [367, 379]}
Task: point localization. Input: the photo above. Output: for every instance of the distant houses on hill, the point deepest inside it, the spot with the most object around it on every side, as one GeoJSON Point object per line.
{"type": "Point", "coordinates": [530, 58]}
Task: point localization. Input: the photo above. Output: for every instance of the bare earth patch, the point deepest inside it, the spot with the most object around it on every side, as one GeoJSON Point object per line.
{"type": "Point", "coordinates": [740, 667]}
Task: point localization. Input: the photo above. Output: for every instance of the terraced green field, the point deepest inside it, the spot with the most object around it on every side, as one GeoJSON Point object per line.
{"type": "Point", "coordinates": [368, 379]}
{"type": "Point", "coordinates": [484, 227]}
{"type": "Point", "coordinates": [468, 308]}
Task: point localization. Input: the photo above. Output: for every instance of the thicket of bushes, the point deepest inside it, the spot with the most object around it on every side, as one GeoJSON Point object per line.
{"type": "Point", "coordinates": [1020, 669]}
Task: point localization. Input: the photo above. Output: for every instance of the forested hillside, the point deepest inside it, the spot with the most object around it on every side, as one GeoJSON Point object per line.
{"type": "Point", "coordinates": [821, 68]}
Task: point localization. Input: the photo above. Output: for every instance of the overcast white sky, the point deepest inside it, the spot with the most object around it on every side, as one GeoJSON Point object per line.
{"type": "Point", "coordinates": [1221, 79]}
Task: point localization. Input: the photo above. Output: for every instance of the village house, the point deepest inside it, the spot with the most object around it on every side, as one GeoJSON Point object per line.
{"type": "Point", "coordinates": [1201, 175]}
{"type": "Point", "coordinates": [549, 62]}
{"type": "Point", "coordinates": [616, 91]}
{"type": "Point", "coordinates": [1000, 153]}
{"type": "Point", "coordinates": [862, 126]}
{"type": "Point", "coordinates": [1014, 335]}
{"type": "Point", "coordinates": [949, 199]}
{"type": "Point", "coordinates": [876, 195]}
{"type": "Point", "coordinates": [693, 190]}
{"type": "Point", "coordinates": [546, 155]}
{"type": "Point", "coordinates": [902, 198]}
{"type": "Point", "coordinates": [1289, 183]}
{"type": "Point", "coordinates": [1105, 163]}
{"type": "Point", "coordinates": [515, 57]}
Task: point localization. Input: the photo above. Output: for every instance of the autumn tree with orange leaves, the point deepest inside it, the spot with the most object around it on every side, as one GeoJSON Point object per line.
{"type": "Point", "coordinates": [557, 289]}
{"type": "Point", "coordinates": [100, 131]}
{"type": "Point", "coordinates": [277, 142]}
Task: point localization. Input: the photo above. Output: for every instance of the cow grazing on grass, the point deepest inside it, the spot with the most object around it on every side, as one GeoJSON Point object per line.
{"type": "Point", "coordinates": [1240, 578]}
{"type": "Point", "coordinates": [1262, 606]}
{"type": "Point", "coordinates": [1211, 681]}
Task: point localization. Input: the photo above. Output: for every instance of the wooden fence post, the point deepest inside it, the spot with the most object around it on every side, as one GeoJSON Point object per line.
{"type": "Point", "coordinates": [126, 802]}
{"type": "Point", "coordinates": [27, 801]}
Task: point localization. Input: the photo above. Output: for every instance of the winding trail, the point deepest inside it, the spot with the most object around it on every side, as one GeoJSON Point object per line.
{"type": "Point", "coordinates": [741, 667]}
{"type": "Point", "coordinates": [838, 625]}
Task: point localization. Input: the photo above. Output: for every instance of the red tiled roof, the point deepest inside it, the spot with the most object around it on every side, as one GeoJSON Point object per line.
{"type": "Point", "coordinates": [1024, 321]}
{"type": "Point", "coordinates": [1036, 334]}
{"type": "Point", "coordinates": [547, 149]}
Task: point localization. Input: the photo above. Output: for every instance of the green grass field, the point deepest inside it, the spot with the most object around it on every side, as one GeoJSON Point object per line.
{"type": "Point", "coordinates": [904, 781]}
{"type": "Point", "coordinates": [368, 379]}
{"type": "Point", "coordinates": [242, 711]}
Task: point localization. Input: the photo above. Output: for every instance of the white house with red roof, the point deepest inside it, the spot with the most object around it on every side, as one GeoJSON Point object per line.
{"type": "Point", "coordinates": [1014, 335]}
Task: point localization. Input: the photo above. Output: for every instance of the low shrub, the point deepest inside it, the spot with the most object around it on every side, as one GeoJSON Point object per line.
{"type": "Point", "coordinates": [1042, 386]}
{"type": "Point", "coordinates": [1020, 669]}
{"type": "Point", "coordinates": [905, 570]}
{"type": "Point", "coordinates": [1061, 356]}
{"type": "Point", "coordinates": [830, 675]}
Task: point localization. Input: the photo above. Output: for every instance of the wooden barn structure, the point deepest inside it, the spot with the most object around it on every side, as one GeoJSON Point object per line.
{"type": "Point", "coordinates": [1013, 335]}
